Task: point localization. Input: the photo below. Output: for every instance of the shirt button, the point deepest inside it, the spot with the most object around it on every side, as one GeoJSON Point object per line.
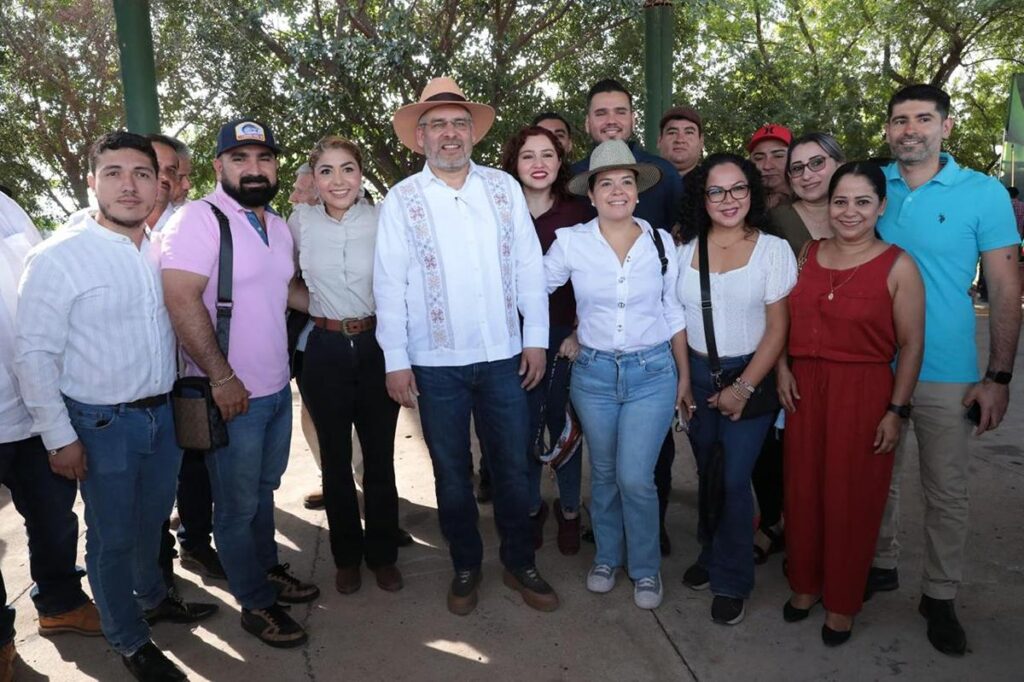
{"type": "Point", "coordinates": [621, 304]}
{"type": "Point", "coordinates": [621, 280]}
{"type": "Point", "coordinates": [620, 327]}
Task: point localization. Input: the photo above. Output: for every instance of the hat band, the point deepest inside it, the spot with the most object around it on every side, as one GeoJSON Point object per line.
{"type": "Point", "coordinates": [445, 97]}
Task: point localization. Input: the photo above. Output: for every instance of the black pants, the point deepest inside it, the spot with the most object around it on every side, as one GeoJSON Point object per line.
{"type": "Point", "coordinates": [663, 475]}
{"type": "Point", "coordinates": [767, 479]}
{"type": "Point", "coordinates": [343, 385]}
{"type": "Point", "coordinates": [195, 509]}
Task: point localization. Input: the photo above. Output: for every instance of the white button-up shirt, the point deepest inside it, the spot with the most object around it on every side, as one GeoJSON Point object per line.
{"type": "Point", "coordinates": [17, 236]}
{"type": "Point", "coordinates": [91, 325]}
{"type": "Point", "coordinates": [621, 307]}
{"type": "Point", "coordinates": [454, 269]}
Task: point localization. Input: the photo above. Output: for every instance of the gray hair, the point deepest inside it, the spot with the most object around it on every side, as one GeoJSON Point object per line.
{"type": "Point", "coordinates": [823, 140]}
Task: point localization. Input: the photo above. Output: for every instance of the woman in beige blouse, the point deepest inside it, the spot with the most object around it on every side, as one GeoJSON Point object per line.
{"type": "Point", "coordinates": [343, 367]}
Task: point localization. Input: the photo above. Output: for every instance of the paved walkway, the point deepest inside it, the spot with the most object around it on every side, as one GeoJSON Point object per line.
{"type": "Point", "coordinates": [373, 635]}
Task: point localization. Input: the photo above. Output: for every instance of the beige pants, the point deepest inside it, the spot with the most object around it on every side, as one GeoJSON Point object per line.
{"type": "Point", "coordinates": [942, 433]}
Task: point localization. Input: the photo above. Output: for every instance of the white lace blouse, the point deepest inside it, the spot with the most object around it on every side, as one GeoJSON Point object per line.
{"type": "Point", "coordinates": [738, 297]}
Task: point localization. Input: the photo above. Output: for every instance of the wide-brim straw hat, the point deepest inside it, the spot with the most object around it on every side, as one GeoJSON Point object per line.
{"type": "Point", "coordinates": [440, 92]}
{"type": "Point", "coordinates": [612, 155]}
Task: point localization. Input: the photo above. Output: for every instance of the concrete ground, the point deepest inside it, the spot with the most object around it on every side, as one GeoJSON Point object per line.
{"type": "Point", "coordinates": [374, 635]}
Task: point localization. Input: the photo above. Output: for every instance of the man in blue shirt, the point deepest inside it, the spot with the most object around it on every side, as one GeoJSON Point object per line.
{"type": "Point", "coordinates": [946, 216]}
{"type": "Point", "coordinates": [610, 116]}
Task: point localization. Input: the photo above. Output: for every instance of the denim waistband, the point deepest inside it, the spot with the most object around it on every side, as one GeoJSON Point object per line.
{"type": "Point", "coordinates": [148, 403]}
{"type": "Point", "coordinates": [644, 354]}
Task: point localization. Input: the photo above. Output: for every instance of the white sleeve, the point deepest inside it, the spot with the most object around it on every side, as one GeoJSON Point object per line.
{"type": "Point", "coordinates": [532, 296]}
{"type": "Point", "coordinates": [675, 316]}
{"type": "Point", "coordinates": [44, 311]}
{"type": "Point", "coordinates": [781, 266]}
{"type": "Point", "coordinates": [390, 284]}
{"type": "Point", "coordinates": [556, 261]}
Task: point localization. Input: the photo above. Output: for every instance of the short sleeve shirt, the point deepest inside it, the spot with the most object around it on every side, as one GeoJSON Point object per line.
{"type": "Point", "coordinates": [945, 224]}
{"type": "Point", "coordinates": [258, 347]}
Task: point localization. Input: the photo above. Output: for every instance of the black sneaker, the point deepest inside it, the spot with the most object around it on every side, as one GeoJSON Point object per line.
{"type": "Point", "coordinates": [944, 629]}
{"type": "Point", "coordinates": [176, 610]}
{"type": "Point", "coordinates": [150, 665]}
{"type": "Point", "coordinates": [462, 595]}
{"type": "Point", "coordinates": [535, 590]}
{"type": "Point", "coordinates": [290, 589]}
{"type": "Point", "coordinates": [881, 580]}
{"type": "Point", "coordinates": [274, 627]}
{"type": "Point", "coordinates": [727, 610]}
{"type": "Point", "coordinates": [696, 577]}
{"type": "Point", "coordinates": [204, 561]}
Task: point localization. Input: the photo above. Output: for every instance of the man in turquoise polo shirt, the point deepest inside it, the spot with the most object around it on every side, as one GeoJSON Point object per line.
{"type": "Point", "coordinates": [946, 216]}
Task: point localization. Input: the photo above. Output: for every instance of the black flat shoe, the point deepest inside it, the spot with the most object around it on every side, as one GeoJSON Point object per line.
{"type": "Point", "coordinates": [834, 637]}
{"type": "Point", "coordinates": [792, 614]}
{"type": "Point", "coordinates": [944, 629]}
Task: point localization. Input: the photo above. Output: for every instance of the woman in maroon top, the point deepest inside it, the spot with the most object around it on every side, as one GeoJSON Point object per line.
{"type": "Point", "coordinates": [535, 157]}
{"type": "Point", "coordinates": [857, 305]}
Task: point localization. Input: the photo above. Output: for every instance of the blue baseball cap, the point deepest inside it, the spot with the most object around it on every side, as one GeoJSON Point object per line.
{"type": "Point", "coordinates": [243, 131]}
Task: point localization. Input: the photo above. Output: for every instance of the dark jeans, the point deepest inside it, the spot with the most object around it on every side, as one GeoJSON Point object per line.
{"type": "Point", "coordinates": [343, 385]}
{"type": "Point", "coordinates": [767, 479]}
{"type": "Point", "coordinates": [195, 509]}
{"type": "Point", "coordinates": [491, 391]}
{"type": "Point", "coordinates": [45, 500]}
{"type": "Point", "coordinates": [663, 475]}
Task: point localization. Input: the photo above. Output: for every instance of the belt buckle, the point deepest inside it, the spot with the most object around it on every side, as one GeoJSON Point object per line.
{"type": "Point", "coordinates": [344, 326]}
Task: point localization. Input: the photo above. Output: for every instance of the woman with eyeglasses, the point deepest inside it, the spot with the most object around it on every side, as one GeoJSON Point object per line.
{"type": "Point", "coordinates": [858, 305]}
{"type": "Point", "coordinates": [811, 161]}
{"type": "Point", "coordinates": [750, 274]}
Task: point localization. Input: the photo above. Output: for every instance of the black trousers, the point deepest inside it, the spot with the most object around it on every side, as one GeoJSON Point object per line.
{"type": "Point", "coordinates": [663, 475]}
{"type": "Point", "coordinates": [343, 386]}
{"type": "Point", "coordinates": [767, 478]}
{"type": "Point", "coordinates": [195, 509]}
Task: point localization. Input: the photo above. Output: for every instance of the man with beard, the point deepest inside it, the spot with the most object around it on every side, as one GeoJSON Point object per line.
{"type": "Point", "coordinates": [681, 138]}
{"type": "Point", "coordinates": [769, 148]}
{"type": "Point", "coordinates": [251, 385]}
{"type": "Point", "coordinates": [945, 216]}
{"type": "Point", "coordinates": [95, 362]}
{"type": "Point", "coordinates": [556, 123]}
{"type": "Point", "coordinates": [457, 263]}
{"type": "Point", "coordinates": [169, 183]}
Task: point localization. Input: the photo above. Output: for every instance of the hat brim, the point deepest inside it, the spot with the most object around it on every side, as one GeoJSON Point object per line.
{"type": "Point", "coordinates": [647, 175]}
{"type": "Point", "coordinates": [407, 118]}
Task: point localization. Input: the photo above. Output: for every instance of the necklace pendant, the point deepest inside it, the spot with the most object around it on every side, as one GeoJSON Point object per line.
{"type": "Point", "coordinates": [830, 296]}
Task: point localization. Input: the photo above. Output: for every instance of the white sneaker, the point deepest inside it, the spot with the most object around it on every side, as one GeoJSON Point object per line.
{"type": "Point", "coordinates": [647, 592]}
{"type": "Point", "coordinates": [601, 578]}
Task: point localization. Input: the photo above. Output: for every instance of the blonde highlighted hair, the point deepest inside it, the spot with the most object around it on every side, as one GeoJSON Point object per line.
{"type": "Point", "coordinates": [334, 142]}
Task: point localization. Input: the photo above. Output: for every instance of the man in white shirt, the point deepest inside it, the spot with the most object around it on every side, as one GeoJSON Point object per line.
{"type": "Point", "coordinates": [457, 263]}
{"type": "Point", "coordinates": [95, 362]}
{"type": "Point", "coordinates": [42, 497]}
{"type": "Point", "coordinates": [167, 189]}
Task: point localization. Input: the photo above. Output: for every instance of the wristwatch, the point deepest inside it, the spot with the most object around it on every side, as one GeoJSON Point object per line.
{"type": "Point", "coordinates": [902, 411]}
{"type": "Point", "coordinates": [999, 377]}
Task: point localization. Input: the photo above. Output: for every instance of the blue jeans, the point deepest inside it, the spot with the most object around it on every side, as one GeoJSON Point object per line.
{"type": "Point", "coordinates": [625, 403]}
{"type": "Point", "coordinates": [243, 478]}
{"type": "Point", "coordinates": [45, 501]}
{"type": "Point", "coordinates": [128, 491]}
{"type": "Point", "coordinates": [491, 391]}
{"type": "Point", "coordinates": [556, 391]}
{"type": "Point", "coordinates": [726, 553]}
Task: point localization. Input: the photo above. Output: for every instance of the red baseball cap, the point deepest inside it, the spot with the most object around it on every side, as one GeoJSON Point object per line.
{"type": "Point", "coordinates": [770, 131]}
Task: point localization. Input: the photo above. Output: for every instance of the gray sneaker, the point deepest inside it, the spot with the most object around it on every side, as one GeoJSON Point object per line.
{"type": "Point", "coordinates": [647, 592]}
{"type": "Point", "coordinates": [601, 578]}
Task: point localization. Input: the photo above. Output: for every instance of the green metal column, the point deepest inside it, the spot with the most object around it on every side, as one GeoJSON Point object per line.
{"type": "Point", "coordinates": [138, 74]}
{"type": "Point", "coordinates": [659, 47]}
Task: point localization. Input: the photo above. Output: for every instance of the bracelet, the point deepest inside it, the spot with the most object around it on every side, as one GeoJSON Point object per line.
{"type": "Point", "coordinates": [738, 394]}
{"type": "Point", "coordinates": [746, 386]}
{"type": "Point", "coordinates": [222, 382]}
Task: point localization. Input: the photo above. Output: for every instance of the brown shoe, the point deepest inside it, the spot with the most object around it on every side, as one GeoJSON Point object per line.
{"type": "Point", "coordinates": [462, 595]}
{"type": "Point", "coordinates": [568, 531]}
{"type": "Point", "coordinates": [535, 590]}
{"type": "Point", "coordinates": [85, 620]}
{"type": "Point", "coordinates": [389, 578]}
{"type": "Point", "coordinates": [314, 500]}
{"type": "Point", "coordinates": [7, 656]}
{"type": "Point", "coordinates": [348, 579]}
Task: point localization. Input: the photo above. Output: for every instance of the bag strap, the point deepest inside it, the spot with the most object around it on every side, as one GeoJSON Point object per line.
{"type": "Point", "coordinates": [705, 308]}
{"type": "Point", "coordinates": [224, 281]}
{"type": "Point", "coordinates": [661, 250]}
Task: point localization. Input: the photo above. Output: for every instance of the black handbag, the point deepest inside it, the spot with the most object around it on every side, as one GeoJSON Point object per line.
{"type": "Point", "coordinates": [198, 424]}
{"type": "Point", "coordinates": [765, 398]}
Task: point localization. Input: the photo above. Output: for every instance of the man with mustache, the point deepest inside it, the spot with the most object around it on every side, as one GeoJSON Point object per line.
{"type": "Point", "coordinates": [251, 385]}
{"type": "Point", "coordinates": [457, 263]}
{"type": "Point", "coordinates": [184, 174]}
{"type": "Point", "coordinates": [94, 359]}
{"type": "Point", "coordinates": [681, 138]}
{"type": "Point", "coordinates": [168, 181]}
{"type": "Point", "coordinates": [945, 216]}
{"type": "Point", "coordinates": [610, 116]}
{"type": "Point", "coordinates": [769, 148]}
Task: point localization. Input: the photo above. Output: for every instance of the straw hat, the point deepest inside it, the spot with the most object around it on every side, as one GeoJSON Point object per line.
{"type": "Point", "coordinates": [611, 155]}
{"type": "Point", "coordinates": [439, 92]}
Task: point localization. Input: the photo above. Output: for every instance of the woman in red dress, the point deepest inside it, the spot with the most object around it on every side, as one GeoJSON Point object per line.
{"type": "Point", "coordinates": [858, 305]}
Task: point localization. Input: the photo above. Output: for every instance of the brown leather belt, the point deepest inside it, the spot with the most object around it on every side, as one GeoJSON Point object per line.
{"type": "Point", "coordinates": [146, 403]}
{"type": "Point", "coordinates": [350, 326]}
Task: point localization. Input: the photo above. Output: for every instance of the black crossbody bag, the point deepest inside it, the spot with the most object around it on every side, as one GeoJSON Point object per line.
{"type": "Point", "coordinates": [198, 424]}
{"type": "Point", "coordinates": [765, 398]}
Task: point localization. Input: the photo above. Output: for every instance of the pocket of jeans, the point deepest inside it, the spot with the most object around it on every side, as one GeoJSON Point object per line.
{"type": "Point", "coordinates": [584, 358]}
{"type": "Point", "coordinates": [658, 364]}
{"type": "Point", "coordinates": [90, 417]}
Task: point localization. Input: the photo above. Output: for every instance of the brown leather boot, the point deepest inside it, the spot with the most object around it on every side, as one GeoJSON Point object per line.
{"type": "Point", "coordinates": [348, 579]}
{"type": "Point", "coordinates": [85, 620]}
{"type": "Point", "coordinates": [389, 578]}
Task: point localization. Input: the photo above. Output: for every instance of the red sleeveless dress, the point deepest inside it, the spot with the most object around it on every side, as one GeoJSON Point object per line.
{"type": "Point", "coordinates": [842, 342]}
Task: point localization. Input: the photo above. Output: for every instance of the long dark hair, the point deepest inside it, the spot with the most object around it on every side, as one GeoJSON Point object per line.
{"type": "Point", "coordinates": [510, 158]}
{"type": "Point", "coordinates": [695, 218]}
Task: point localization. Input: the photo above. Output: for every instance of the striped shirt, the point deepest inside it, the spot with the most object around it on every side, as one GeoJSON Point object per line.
{"type": "Point", "coordinates": [91, 326]}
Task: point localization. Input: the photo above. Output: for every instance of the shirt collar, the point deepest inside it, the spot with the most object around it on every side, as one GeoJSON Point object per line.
{"type": "Point", "coordinates": [948, 171]}
{"type": "Point", "coordinates": [228, 203]}
{"type": "Point", "coordinates": [90, 225]}
{"type": "Point", "coordinates": [429, 175]}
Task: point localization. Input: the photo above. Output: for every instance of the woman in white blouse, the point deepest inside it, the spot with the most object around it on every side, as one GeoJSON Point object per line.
{"type": "Point", "coordinates": [630, 370]}
{"type": "Point", "coordinates": [343, 367]}
{"type": "Point", "coordinates": [751, 273]}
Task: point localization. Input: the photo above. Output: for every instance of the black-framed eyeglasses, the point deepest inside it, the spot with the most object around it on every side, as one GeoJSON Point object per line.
{"type": "Point", "coordinates": [716, 195]}
{"type": "Point", "coordinates": [815, 163]}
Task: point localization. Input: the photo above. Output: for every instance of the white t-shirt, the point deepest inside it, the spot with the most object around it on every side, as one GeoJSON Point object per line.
{"type": "Point", "coordinates": [738, 297]}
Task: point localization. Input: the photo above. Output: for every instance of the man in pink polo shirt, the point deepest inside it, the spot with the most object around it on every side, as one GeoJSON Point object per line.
{"type": "Point", "coordinates": [250, 385]}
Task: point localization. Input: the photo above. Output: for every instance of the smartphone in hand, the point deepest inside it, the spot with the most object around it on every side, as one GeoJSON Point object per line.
{"type": "Point", "coordinates": [973, 413]}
